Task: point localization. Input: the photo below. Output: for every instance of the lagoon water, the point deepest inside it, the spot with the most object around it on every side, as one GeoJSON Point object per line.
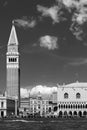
{"type": "Point", "coordinates": [59, 124]}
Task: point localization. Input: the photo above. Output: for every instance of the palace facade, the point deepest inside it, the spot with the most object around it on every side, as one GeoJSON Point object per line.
{"type": "Point", "coordinates": [72, 99]}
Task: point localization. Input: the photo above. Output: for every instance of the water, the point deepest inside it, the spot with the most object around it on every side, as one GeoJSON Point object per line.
{"type": "Point", "coordinates": [58, 124]}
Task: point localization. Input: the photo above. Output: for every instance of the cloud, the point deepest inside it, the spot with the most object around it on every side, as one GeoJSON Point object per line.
{"type": "Point", "coordinates": [80, 13]}
{"type": "Point", "coordinates": [24, 92]}
{"type": "Point", "coordinates": [25, 22]}
{"type": "Point", "coordinates": [69, 3]}
{"type": "Point", "coordinates": [44, 90]}
{"type": "Point", "coordinates": [80, 17]}
{"type": "Point", "coordinates": [53, 12]}
{"type": "Point", "coordinates": [78, 62]}
{"type": "Point", "coordinates": [49, 42]}
{"type": "Point", "coordinates": [77, 28]}
{"type": "Point", "coordinates": [77, 31]}
{"type": "Point", "coordinates": [78, 10]}
{"type": "Point", "coordinates": [73, 3]}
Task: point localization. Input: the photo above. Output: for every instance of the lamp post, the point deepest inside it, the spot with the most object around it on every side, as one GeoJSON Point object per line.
{"type": "Point", "coordinates": [16, 105]}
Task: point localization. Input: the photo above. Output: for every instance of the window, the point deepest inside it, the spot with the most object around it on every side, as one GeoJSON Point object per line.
{"type": "Point", "coordinates": [35, 109]}
{"type": "Point", "coordinates": [38, 102]}
{"type": "Point", "coordinates": [24, 109]}
{"type": "Point", "coordinates": [39, 106]}
{"type": "Point", "coordinates": [46, 102]}
{"type": "Point", "coordinates": [35, 106]}
{"type": "Point", "coordinates": [2, 103]}
{"type": "Point", "coordinates": [86, 105]}
{"type": "Point", "coordinates": [35, 102]}
{"type": "Point", "coordinates": [15, 60]}
{"type": "Point", "coordinates": [12, 59]}
{"type": "Point", "coordinates": [78, 95]}
{"type": "Point", "coordinates": [31, 109]}
{"type": "Point", "coordinates": [9, 59]}
{"type": "Point", "coordinates": [42, 102]}
{"type": "Point", "coordinates": [31, 102]}
{"type": "Point", "coordinates": [43, 108]}
{"type": "Point", "coordinates": [66, 95]}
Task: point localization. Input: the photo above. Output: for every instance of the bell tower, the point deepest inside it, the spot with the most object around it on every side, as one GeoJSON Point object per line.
{"type": "Point", "coordinates": [12, 66]}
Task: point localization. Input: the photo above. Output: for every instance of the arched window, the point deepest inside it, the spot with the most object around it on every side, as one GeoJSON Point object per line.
{"type": "Point", "coordinates": [65, 113]}
{"type": "Point", "coordinates": [59, 106]}
{"type": "Point", "coordinates": [2, 103]}
{"type": "Point", "coordinates": [70, 113]}
{"type": "Point", "coordinates": [84, 113]}
{"type": "Point", "coordinates": [64, 106]}
{"type": "Point", "coordinates": [66, 95]}
{"type": "Point", "coordinates": [80, 113]}
{"type": "Point", "coordinates": [11, 60]}
{"type": "Point", "coordinates": [75, 113]}
{"type": "Point", "coordinates": [15, 59]}
{"type": "Point", "coordinates": [81, 105]}
{"type": "Point", "coordinates": [69, 106]}
{"type": "Point", "coordinates": [76, 106]}
{"type": "Point", "coordinates": [86, 105]}
{"type": "Point", "coordinates": [78, 95]}
{"type": "Point", "coordinates": [60, 113]}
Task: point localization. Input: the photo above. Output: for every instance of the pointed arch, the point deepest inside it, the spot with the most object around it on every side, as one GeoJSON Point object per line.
{"type": "Point", "coordinates": [55, 108]}
{"type": "Point", "coordinates": [78, 95]}
{"type": "Point", "coordinates": [66, 95]}
{"type": "Point", "coordinates": [60, 113]}
{"type": "Point", "coordinates": [80, 114]}
{"type": "Point", "coordinates": [75, 113]}
{"type": "Point", "coordinates": [65, 113]}
{"type": "Point", "coordinates": [84, 113]}
{"type": "Point", "coordinates": [70, 113]}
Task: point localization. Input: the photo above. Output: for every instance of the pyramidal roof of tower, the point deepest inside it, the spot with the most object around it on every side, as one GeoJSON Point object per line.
{"type": "Point", "coordinates": [13, 37]}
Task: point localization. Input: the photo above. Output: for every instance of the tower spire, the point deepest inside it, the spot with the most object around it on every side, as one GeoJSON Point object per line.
{"type": "Point", "coordinates": [12, 65]}
{"type": "Point", "coordinates": [13, 36]}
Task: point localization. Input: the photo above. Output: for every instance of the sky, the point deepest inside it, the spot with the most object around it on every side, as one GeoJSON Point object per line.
{"type": "Point", "coordinates": [52, 37]}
